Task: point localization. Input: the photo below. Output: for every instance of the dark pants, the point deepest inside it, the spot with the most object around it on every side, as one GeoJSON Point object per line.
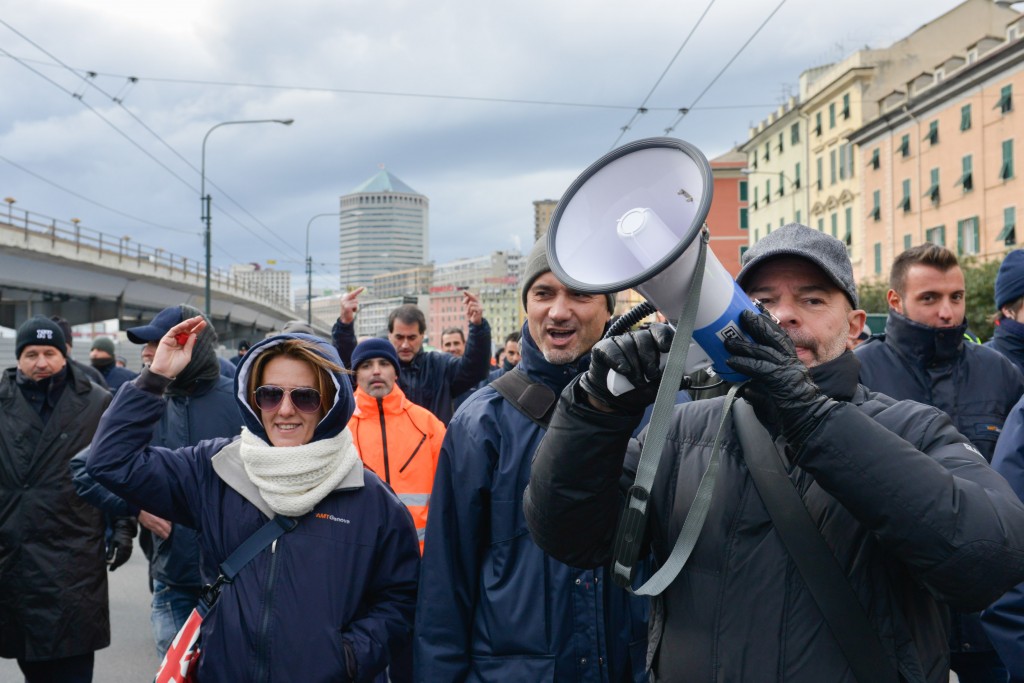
{"type": "Point", "coordinates": [77, 669]}
{"type": "Point", "coordinates": [978, 667]}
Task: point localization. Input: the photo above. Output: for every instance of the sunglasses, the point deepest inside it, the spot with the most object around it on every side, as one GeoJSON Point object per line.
{"type": "Point", "coordinates": [269, 398]}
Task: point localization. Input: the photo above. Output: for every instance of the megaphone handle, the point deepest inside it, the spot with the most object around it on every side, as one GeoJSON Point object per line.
{"type": "Point", "coordinates": [696, 359]}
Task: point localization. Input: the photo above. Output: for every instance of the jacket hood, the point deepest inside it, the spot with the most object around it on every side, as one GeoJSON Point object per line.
{"type": "Point", "coordinates": [336, 418]}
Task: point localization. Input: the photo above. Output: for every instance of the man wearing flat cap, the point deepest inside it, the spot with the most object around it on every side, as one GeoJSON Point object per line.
{"type": "Point", "coordinates": [902, 507]}
{"type": "Point", "coordinates": [53, 581]}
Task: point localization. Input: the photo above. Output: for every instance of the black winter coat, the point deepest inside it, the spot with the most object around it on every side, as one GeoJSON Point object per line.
{"type": "Point", "coordinates": [913, 514]}
{"type": "Point", "coordinates": [53, 577]}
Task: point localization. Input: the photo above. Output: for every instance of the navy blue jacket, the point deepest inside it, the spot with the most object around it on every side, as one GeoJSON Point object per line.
{"type": "Point", "coordinates": [333, 598]}
{"type": "Point", "coordinates": [115, 376]}
{"type": "Point", "coordinates": [208, 413]}
{"type": "Point", "coordinates": [1004, 620]}
{"type": "Point", "coordinates": [493, 606]}
{"type": "Point", "coordinates": [976, 386]}
{"type": "Point", "coordinates": [1008, 339]}
{"type": "Point", "coordinates": [433, 378]}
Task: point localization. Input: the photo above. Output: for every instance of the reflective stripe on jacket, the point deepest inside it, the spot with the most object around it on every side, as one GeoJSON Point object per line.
{"type": "Point", "coordinates": [400, 442]}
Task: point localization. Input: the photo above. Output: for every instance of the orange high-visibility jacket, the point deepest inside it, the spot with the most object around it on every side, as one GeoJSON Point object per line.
{"type": "Point", "coordinates": [400, 441]}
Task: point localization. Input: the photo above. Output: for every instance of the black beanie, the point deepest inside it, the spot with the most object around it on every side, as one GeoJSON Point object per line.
{"type": "Point", "coordinates": [40, 331]}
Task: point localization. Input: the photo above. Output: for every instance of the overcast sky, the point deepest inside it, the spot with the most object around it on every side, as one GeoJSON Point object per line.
{"type": "Point", "coordinates": [481, 106]}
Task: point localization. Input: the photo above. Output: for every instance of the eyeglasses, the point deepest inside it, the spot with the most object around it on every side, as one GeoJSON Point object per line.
{"type": "Point", "coordinates": [269, 398]}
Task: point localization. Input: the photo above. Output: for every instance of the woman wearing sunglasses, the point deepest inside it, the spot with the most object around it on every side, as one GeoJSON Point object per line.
{"type": "Point", "coordinates": [332, 599]}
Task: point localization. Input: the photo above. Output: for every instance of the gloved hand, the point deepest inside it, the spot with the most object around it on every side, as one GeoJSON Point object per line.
{"type": "Point", "coordinates": [635, 356]}
{"type": "Point", "coordinates": [780, 389]}
{"type": "Point", "coordinates": [119, 546]}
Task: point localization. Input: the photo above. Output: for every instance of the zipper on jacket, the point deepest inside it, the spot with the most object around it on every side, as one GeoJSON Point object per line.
{"type": "Point", "coordinates": [262, 672]}
{"type": "Point", "coordinates": [384, 440]}
{"type": "Point", "coordinates": [414, 452]}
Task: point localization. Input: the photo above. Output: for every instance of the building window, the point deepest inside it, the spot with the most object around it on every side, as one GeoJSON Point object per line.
{"type": "Point", "coordinates": [753, 160]}
{"type": "Point", "coordinates": [821, 173]}
{"type": "Point", "coordinates": [835, 224]}
{"type": "Point", "coordinates": [767, 191]}
{"type": "Point", "coordinates": [796, 177]}
{"type": "Point", "coordinates": [967, 236]}
{"type": "Point", "coordinates": [757, 235]}
{"type": "Point", "coordinates": [936, 235]}
{"type": "Point", "coordinates": [794, 134]}
{"type": "Point", "coordinates": [845, 161]}
{"type": "Point", "coordinates": [782, 184]}
{"type": "Point", "coordinates": [967, 175]}
{"type": "Point", "coordinates": [906, 242]}
{"type": "Point", "coordinates": [755, 197]}
{"type": "Point", "coordinates": [1006, 169]}
{"type": "Point", "coordinates": [933, 189]}
{"type": "Point", "coordinates": [821, 225]}
{"type": "Point", "coordinates": [831, 115]}
{"type": "Point", "coordinates": [767, 151]}
{"type": "Point", "coordinates": [905, 202]}
{"type": "Point", "coordinates": [744, 218]}
{"type": "Point", "coordinates": [817, 123]}
{"type": "Point", "coordinates": [849, 226]}
{"type": "Point", "coordinates": [876, 205]}
{"type": "Point", "coordinates": [904, 148]}
{"type": "Point", "coordinates": [832, 166]}
{"type": "Point", "coordinates": [1008, 235]}
{"type": "Point", "coordinates": [876, 160]}
{"type": "Point", "coordinates": [780, 142]}
{"type": "Point", "coordinates": [965, 117]}
{"type": "Point", "coordinates": [878, 258]}
{"type": "Point", "coordinates": [933, 133]}
{"type": "Point", "coordinates": [846, 106]}
{"type": "Point", "coordinates": [1005, 103]}
{"type": "Point", "coordinates": [743, 190]}
{"type": "Point", "coordinates": [743, 250]}
{"type": "Point", "coordinates": [798, 217]}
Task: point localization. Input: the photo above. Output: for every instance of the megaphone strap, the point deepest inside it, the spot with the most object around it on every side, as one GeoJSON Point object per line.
{"type": "Point", "coordinates": [630, 533]}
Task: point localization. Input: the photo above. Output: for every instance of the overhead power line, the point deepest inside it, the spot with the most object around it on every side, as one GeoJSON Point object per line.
{"type": "Point", "coordinates": [643, 109]}
{"type": "Point", "coordinates": [683, 112]}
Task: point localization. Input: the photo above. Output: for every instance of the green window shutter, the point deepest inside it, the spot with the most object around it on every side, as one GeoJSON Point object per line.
{"type": "Point", "coordinates": [905, 202]}
{"type": "Point", "coordinates": [796, 177]}
{"type": "Point", "coordinates": [878, 258]}
{"type": "Point", "coordinates": [966, 179]}
{"type": "Point", "coordinates": [832, 115]}
{"type": "Point", "coordinates": [1008, 235]}
{"type": "Point", "coordinates": [876, 205]}
{"type": "Point", "coordinates": [933, 188]}
{"type": "Point", "coordinates": [743, 190]}
{"type": "Point", "coordinates": [821, 173]}
{"type": "Point", "coordinates": [821, 225]}
{"type": "Point", "coordinates": [933, 133]}
{"type": "Point", "coordinates": [835, 224]}
{"type": "Point", "coordinates": [832, 166]}
{"type": "Point", "coordinates": [1005, 103]}
{"type": "Point", "coordinates": [849, 226]}
{"type": "Point", "coordinates": [794, 134]}
{"type": "Point", "coordinates": [846, 106]}
{"type": "Point", "coordinates": [1006, 169]}
{"type": "Point", "coordinates": [965, 117]}
{"type": "Point", "coordinates": [904, 148]}
{"type": "Point", "coordinates": [798, 218]}
{"type": "Point", "coordinates": [817, 123]}
{"type": "Point", "coordinates": [906, 242]}
{"type": "Point", "coordinates": [875, 158]}
{"type": "Point", "coordinates": [782, 184]}
{"type": "Point", "coordinates": [744, 218]}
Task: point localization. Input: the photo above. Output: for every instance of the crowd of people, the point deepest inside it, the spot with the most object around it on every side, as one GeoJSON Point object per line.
{"type": "Point", "coordinates": [350, 509]}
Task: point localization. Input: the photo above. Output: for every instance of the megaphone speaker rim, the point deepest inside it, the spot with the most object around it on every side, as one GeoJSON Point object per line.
{"type": "Point", "coordinates": [684, 243]}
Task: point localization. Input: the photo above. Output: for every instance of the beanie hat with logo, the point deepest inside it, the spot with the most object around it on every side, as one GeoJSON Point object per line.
{"type": "Point", "coordinates": [40, 331]}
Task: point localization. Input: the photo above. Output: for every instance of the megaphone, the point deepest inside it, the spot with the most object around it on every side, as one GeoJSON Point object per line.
{"type": "Point", "coordinates": [632, 220]}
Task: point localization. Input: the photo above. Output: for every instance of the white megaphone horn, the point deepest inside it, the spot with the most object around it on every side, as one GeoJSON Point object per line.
{"type": "Point", "coordinates": [633, 220]}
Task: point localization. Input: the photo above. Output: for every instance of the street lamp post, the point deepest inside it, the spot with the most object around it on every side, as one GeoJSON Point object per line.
{"type": "Point", "coordinates": [204, 199]}
{"type": "Point", "coordinates": [309, 270]}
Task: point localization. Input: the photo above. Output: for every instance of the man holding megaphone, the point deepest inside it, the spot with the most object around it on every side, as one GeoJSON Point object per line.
{"type": "Point", "coordinates": [896, 511]}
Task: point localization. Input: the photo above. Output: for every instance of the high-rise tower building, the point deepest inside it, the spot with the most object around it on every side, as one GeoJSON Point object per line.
{"type": "Point", "coordinates": [383, 227]}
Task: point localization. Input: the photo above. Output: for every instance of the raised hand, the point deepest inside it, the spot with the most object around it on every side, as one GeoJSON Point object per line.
{"type": "Point", "coordinates": [349, 305]}
{"type": "Point", "coordinates": [474, 310]}
{"type": "Point", "coordinates": [174, 350]}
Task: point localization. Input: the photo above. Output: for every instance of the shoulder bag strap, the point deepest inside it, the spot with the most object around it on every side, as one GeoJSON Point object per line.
{"type": "Point", "coordinates": [246, 552]}
{"type": "Point", "coordinates": [822, 574]}
{"type": "Point", "coordinates": [533, 399]}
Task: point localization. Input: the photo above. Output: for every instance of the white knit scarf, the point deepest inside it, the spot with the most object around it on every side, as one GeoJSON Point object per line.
{"type": "Point", "coordinates": [293, 479]}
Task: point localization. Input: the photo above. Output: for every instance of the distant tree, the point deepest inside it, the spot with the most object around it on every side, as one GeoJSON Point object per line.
{"type": "Point", "coordinates": [980, 279]}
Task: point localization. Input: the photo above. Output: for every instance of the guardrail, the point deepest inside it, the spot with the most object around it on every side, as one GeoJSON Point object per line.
{"type": "Point", "coordinates": [89, 244]}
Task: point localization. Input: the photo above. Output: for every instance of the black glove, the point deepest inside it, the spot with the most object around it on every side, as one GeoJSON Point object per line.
{"type": "Point", "coordinates": [781, 391]}
{"type": "Point", "coordinates": [119, 547]}
{"type": "Point", "coordinates": [635, 356]}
